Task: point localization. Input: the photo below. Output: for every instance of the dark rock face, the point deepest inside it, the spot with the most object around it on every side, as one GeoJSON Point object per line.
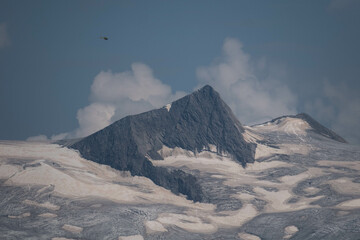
{"type": "Point", "coordinates": [192, 123]}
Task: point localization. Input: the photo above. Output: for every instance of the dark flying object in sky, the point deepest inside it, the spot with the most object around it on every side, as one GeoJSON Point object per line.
{"type": "Point", "coordinates": [105, 38]}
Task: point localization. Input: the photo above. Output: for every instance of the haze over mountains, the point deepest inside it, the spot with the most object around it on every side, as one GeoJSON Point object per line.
{"type": "Point", "coordinates": [189, 170]}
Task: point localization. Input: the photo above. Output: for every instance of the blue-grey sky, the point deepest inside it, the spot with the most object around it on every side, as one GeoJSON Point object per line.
{"type": "Point", "coordinates": [266, 58]}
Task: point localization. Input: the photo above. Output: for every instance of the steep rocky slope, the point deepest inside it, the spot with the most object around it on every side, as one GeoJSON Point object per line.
{"type": "Point", "coordinates": [194, 122]}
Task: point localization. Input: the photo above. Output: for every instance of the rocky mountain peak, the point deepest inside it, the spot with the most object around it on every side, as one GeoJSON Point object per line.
{"type": "Point", "coordinates": [193, 123]}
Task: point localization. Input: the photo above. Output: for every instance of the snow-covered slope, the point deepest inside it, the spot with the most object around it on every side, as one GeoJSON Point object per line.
{"type": "Point", "coordinates": [302, 187]}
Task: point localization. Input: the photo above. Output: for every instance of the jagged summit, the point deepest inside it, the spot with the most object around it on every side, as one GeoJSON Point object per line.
{"type": "Point", "coordinates": [203, 118]}
{"type": "Point", "coordinates": [315, 126]}
{"type": "Point", "coordinates": [193, 122]}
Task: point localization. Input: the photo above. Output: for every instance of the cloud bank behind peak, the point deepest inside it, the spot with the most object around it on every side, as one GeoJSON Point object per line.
{"type": "Point", "coordinates": [116, 95]}
{"type": "Point", "coordinates": [253, 99]}
{"type": "Point", "coordinates": [236, 77]}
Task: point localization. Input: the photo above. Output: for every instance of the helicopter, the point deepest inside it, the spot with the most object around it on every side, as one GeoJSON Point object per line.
{"type": "Point", "coordinates": [105, 38]}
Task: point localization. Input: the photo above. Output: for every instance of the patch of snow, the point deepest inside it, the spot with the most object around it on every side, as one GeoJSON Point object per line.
{"type": "Point", "coordinates": [312, 190]}
{"type": "Point", "coordinates": [47, 215]}
{"type": "Point", "coordinates": [215, 164]}
{"type": "Point", "coordinates": [27, 214]}
{"type": "Point", "coordinates": [292, 180]}
{"type": "Point", "coordinates": [133, 237]}
{"type": "Point", "coordinates": [288, 125]}
{"type": "Point", "coordinates": [97, 205]}
{"type": "Point", "coordinates": [345, 186]}
{"type": "Point", "coordinates": [277, 201]}
{"type": "Point", "coordinates": [244, 196]}
{"type": "Point", "coordinates": [167, 152]}
{"type": "Point", "coordinates": [154, 227]}
{"type": "Point", "coordinates": [186, 222]}
{"type": "Point", "coordinates": [79, 177]}
{"type": "Point", "coordinates": [235, 218]}
{"type": "Point", "coordinates": [37, 151]}
{"type": "Point", "coordinates": [234, 175]}
{"type": "Point", "coordinates": [7, 171]}
{"type": "Point", "coordinates": [290, 231]}
{"type": "Point", "coordinates": [349, 164]}
{"type": "Point", "coordinates": [251, 136]}
{"type": "Point", "coordinates": [342, 213]}
{"type": "Point", "coordinates": [72, 228]}
{"type": "Point", "coordinates": [168, 107]}
{"type": "Point", "coordinates": [266, 151]}
{"type": "Point", "coordinates": [212, 148]}
{"type": "Point", "coordinates": [44, 188]}
{"type": "Point", "coordinates": [61, 238]}
{"type": "Point", "coordinates": [351, 204]}
{"type": "Point", "coordinates": [247, 236]}
{"type": "Point", "coordinates": [42, 205]}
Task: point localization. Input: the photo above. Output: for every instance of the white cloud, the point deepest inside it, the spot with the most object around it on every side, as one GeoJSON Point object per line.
{"type": "Point", "coordinates": [93, 118]}
{"type": "Point", "coordinates": [131, 92]}
{"type": "Point", "coordinates": [60, 136]}
{"type": "Point", "coordinates": [39, 138]}
{"type": "Point", "coordinates": [339, 106]}
{"type": "Point", "coordinates": [116, 95]}
{"type": "Point", "coordinates": [136, 85]}
{"type": "Point", "coordinates": [4, 36]}
{"type": "Point", "coordinates": [237, 79]}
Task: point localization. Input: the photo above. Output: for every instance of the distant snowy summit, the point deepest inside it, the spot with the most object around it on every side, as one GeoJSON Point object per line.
{"type": "Point", "coordinates": [197, 122]}
{"type": "Point", "coordinates": [309, 124]}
